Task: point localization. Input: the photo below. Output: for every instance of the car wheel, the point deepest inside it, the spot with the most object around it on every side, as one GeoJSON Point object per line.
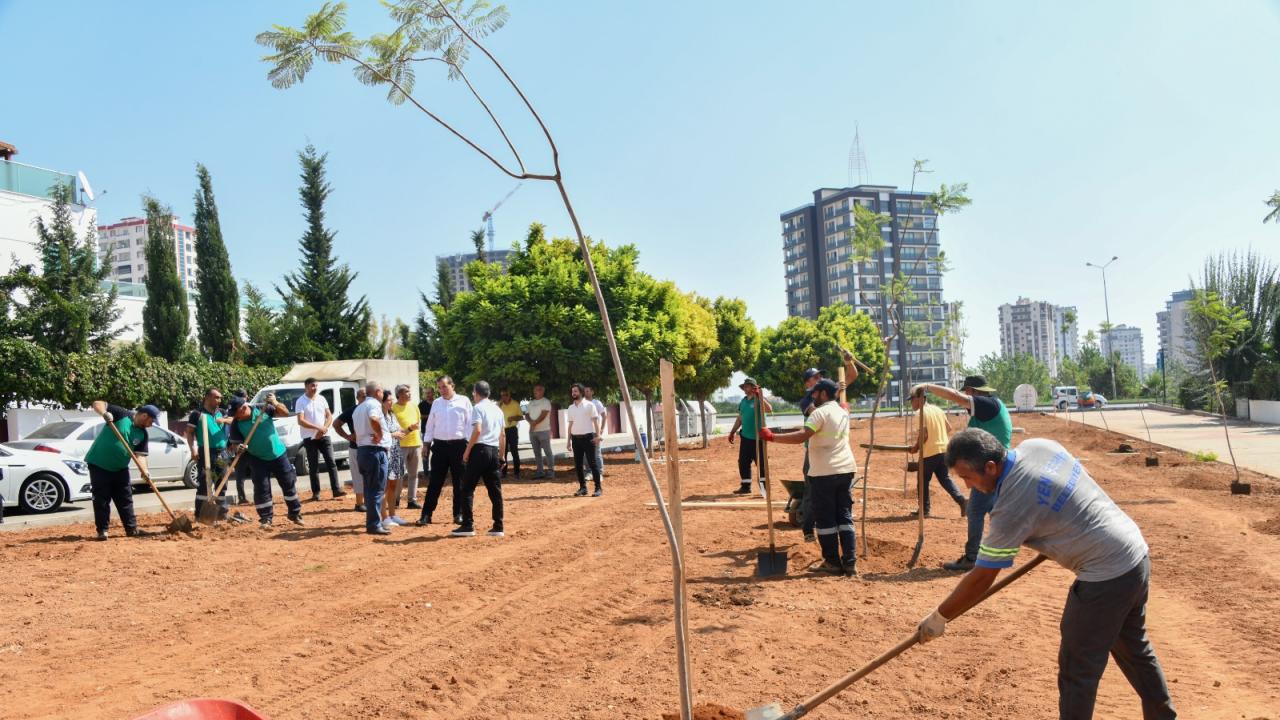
{"type": "Point", "coordinates": [300, 466]}
{"type": "Point", "coordinates": [191, 475]}
{"type": "Point", "coordinates": [41, 493]}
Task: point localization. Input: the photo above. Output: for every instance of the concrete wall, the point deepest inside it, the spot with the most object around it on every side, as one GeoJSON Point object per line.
{"type": "Point", "coordinates": [131, 318]}
{"type": "Point", "coordinates": [1265, 411]}
{"type": "Point", "coordinates": [18, 237]}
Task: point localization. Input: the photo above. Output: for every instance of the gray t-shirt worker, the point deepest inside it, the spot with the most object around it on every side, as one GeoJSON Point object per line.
{"type": "Point", "coordinates": [1043, 498]}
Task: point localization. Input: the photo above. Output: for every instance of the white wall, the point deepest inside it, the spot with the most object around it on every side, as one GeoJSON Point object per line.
{"type": "Point", "coordinates": [1265, 411]}
{"type": "Point", "coordinates": [131, 318]}
{"type": "Point", "coordinates": [18, 237]}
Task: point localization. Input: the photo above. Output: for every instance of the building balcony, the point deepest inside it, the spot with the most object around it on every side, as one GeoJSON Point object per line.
{"type": "Point", "coordinates": [15, 177]}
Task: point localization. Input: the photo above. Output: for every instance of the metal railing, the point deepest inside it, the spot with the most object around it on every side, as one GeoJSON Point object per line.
{"type": "Point", "coordinates": [34, 181]}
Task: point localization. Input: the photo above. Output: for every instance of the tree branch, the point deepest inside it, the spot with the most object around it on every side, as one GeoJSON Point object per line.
{"type": "Point", "coordinates": [483, 104]}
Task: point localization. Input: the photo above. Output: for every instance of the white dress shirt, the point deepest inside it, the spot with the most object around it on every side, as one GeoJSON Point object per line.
{"type": "Point", "coordinates": [370, 409]}
{"type": "Point", "coordinates": [581, 417]}
{"type": "Point", "coordinates": [312, 410]}
{"type": "Point", "coordinates": [536, 408]}
{"type": "Point", "coordinates": [491, 420]}
{"type": "Point", "coordinates": [450, 419]}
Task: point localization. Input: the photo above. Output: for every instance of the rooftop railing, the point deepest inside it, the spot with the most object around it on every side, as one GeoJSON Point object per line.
{"type": "Point", "coordinates": [31, 180]}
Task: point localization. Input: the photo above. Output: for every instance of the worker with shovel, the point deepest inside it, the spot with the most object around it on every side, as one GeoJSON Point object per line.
{"type": "Point", "coordinates": [108, 460]}
{"type": "Point", "coordinates": [832, 468]}
{"type": "Point", "coordinates": [1043, 498]}
{"type": "Point", "coordinates": [268, 457]}
{"type": "Point", "coordinates": [745, 425]}
{"type": "Point", "coordinates": [931, 443]}
{"type": "Point", "coordinates": [209, 415]}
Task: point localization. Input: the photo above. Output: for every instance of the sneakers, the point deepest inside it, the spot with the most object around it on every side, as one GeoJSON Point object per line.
{"type": "Point", "coordinates": [378, 531]}
{"type": "Point", "coordinates": [964, 507]}
{"type": "Point", "coordinates": [463, 531]}
{"type": "Point", "coordinates": [102, 535]}
{"type": "Point", "coordinates": [135, 532]}
{"type": "Point", "coordinates": [497, 531]}
{"type": "Point", "coordinates": [827, 568]}
{"type": "Point", "coordinates": [582, 491]}
{"type": "Point", "coordinates": [598, 492]}
{"type": "Point", "coordinates": [413, 505]}
{"type": "Point", "coordinates": [963, 563]}
{"type": "Point", "coordinates": [850, 568]}
{"type": "Point", "coordinates": [397, 520]}
{"type": "Point", "coordinates": [386, 525]}
{"type": "Point", "coordinates": [265, 523]}
{"type": "Point", "coordinates": [743, 489]}
{"type": "Point", "coordinates": [296, 519]}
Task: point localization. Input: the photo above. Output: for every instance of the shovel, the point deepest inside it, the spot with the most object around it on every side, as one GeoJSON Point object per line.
{"type": "Point", "coordinates": [774, 562]}
{"type": "Point", "coordinates": [915, 554]}
{"type": "Point", "coordinates": [773, 711]}
{"type": "Point", "coordinates": [208, 514]}
{"type": "Point", "coordinates": [231, 467]}
{"type": "Point", "coordinates": [177, 523]}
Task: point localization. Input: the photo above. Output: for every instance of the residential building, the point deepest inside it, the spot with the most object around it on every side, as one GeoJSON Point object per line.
{"type": "Point", "coordinates": [1127, 342]}
{"type": "Point", "coordinates": [457, 262]}
{"type": "Point", "coordinates": [122, 246]}
{"type": "Point", "coordinates": [1176, 340]}
{"type": "Point", "coordinates": [1029, 327]}
{"type": "Point", "coordinates": [1067, 330]}
{"type": "Point", "coordinates": [25, 194]}
{"type": "Point", "coordinates": [820, 271]}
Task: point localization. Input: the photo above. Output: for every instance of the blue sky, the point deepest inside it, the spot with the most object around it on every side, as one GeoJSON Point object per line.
{"type": "Point", "coordinates": [1148, 130]}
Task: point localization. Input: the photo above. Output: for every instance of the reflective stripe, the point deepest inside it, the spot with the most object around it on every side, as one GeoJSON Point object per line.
{"type": "Point", "coordinates": [844, 528]}
{"type": "Point", "coordinates": [266, 504]}
{"type": "Point", "coordinates": [287, 498]}
{"type": "Point", "coordinates": [828, 531]}
{"type": "Point", "coordinates": [202, 497]}
{"type": "Point", "coordinates": [998, 552]}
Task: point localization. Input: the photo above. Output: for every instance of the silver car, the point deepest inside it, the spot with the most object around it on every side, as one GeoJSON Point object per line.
{"type": "Point", "coordinates": [169, 458]}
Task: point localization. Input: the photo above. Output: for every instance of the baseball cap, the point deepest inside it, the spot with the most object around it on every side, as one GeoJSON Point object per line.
{"type": "Point", "coordinates": [827, 386]}
{"type": "Point", "coordinates": [151, 410]}
{"type": "Point", "coordinates": [237, 402]}
{"type": "Point", "coordinates": [749, 381]}
{"type": "Point", "coordinates": [977, 382]}
{"type": "Point", "coordinates": [812, 373]}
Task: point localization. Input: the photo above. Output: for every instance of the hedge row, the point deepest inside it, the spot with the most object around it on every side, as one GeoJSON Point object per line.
{"type": "Point", "coordinates": [125, 375]}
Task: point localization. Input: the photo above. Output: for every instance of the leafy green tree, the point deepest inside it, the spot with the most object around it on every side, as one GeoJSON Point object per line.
{"type": "Point", "coordinates": [63, 307]}
{"type": "Point", "coordinates": [317, 302]}
{"type": "Point", "coordinates": [218, 299]}
{"type": "Point", "coordinates": [165, 321]}
{"type": "Point", "coordinates": [1251, 283]}
{"type": "Point", "coordinates": [477, 240]}
{"type": "Point", "coordinates": [260, 347]}
{"type": "Point", "coordinates": [445, 291]}
{"type": "Point", "coordinates": [1216, 328]}
{"type": "Point", "coordinates": [1005, 374]}
{"type": "Point", "coordinates": [797, 344]}
{"type": "Point", "coordinates": [1273, 202]}
{"type": "Point", "coordinates": [737, 347]}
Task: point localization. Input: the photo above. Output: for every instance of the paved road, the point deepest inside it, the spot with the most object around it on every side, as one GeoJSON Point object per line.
{"type": "Point", "coordinates": [1257, 446]}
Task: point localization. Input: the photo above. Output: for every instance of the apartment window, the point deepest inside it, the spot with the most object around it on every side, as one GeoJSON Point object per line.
{"type": "Point", "coordinates": [124, 269]}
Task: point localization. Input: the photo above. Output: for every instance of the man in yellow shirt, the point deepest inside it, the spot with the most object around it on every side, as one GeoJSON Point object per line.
{"type": "Point", "coordinates": [933, 456]}
{"type": "Point", "coordinates": [410, 421]}
{"type": "Point", "coordinates": [511, 410]}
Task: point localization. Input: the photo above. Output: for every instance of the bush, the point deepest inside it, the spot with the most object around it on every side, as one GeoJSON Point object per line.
{"type": "Point", "coordinates": [1204, 456]}
{"type": "Point", "coordinates": [1265, 384]}
{"type": "Point", "coordinates": [125, 375]}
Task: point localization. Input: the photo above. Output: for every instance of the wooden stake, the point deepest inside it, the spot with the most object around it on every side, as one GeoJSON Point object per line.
{"type": "Point", "coordinates": [671, 443]}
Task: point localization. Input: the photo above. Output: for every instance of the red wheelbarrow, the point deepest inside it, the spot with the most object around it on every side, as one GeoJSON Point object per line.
{"type": "Point", "coordinates": [203, 709]}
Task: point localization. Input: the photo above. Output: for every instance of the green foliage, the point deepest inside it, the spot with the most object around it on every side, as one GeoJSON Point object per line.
{"type": "Point", "coordinates": [1006, 373]}
{"type": "Point", "coordinates": [1265, 384]}
{"type": "Point", "coordinates": [165, 322]}
{"type": "Point", "coordinates": [445, 292]}
{"type": "Point", "coordinates": [126, 375]}
{"type": "Point", "coordinates": [477, 240]}
{"type": "Point", "coordinates": [1204, 456]}
{"type": "Point", "coordinates": [867, 234]}
{"type": "Point", "coordinates": [737, 348]}
{"type": "Point", "coordinates": [61, 307]}
{"type": "Point", "coordinates": [318, 315]}
{"type": "Point", "coordinates": [1250, 283]}
{"type": "Point", "coordinates": [1273, 202]}
{"type": "Point", "coordinates": [701, 340]}
{"type": "Point", "coordinates": [261, 343]}
{"type": "Point", "coordinates": [218, 299]}
{"type": "Point", "coordinates": [797, 344]}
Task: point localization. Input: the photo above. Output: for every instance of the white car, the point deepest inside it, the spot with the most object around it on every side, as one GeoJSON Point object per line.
{"type": "Point", "coordinates": [40, 482]}
{"type": "Point", "coordinates": [169, 457]}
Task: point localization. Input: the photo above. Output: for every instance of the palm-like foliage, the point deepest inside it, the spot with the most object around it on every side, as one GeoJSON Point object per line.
{"type": "Point", "coordinates": [1274, 203]}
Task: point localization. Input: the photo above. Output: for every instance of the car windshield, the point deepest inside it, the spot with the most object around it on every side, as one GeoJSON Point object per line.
{"type": "Point", "coordinates": [54, 431]}
{"type": "Point", "coordinates": [286, 396]}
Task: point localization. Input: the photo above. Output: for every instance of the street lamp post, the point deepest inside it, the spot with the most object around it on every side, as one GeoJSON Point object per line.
{"type": "Point", "coordinates": [1107, 336]}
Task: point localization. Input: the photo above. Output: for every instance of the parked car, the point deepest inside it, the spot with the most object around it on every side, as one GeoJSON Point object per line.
{"type": "Point", "coordinates": [1064, 396]}
{"type": "Point", "coordinates": [40, 482]}
{"type": "Point", "coordinates": [1092, 400]}
{"type": "Point", "coordinates": [169, 457]}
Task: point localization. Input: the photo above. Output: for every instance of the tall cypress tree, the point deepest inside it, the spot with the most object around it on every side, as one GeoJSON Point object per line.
{"type": "Point", "coordinates": [164, 317]}
{"type": "Point", "coordinates": [335, 326]}
{"type": "Point", "coordinates": [218, 304]}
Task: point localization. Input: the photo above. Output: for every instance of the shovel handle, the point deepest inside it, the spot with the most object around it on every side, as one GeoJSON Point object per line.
{"type": "Point", "coordinates": [244, 447]}
{"type": "Point", "coordinates": [808, 705]}
{"type": "Point", "coordinates": [141, 470]}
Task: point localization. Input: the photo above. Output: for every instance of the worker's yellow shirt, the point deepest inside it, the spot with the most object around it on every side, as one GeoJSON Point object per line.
{"type": "Point", "coordinates": [935, 426]}
{"type": "Point", "coordinates": [511, 410]}
{"type": "Point", "coordinates": [406, 415]}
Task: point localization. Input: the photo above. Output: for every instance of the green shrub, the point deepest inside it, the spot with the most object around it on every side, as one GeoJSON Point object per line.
{"type": "Point", "coordinates": [1204, 456]}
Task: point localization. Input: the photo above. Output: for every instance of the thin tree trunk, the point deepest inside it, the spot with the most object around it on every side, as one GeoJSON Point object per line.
{"type": "Point", "coordinates": [871, 440]}
{"type": "Point", "coordinates": [1222, 408]}
{"type": "Point", "coordinates": [702, 409]}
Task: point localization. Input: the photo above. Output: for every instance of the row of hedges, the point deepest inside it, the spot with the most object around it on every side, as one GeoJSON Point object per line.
{"type": "Point", "coordinates": [125, 375]}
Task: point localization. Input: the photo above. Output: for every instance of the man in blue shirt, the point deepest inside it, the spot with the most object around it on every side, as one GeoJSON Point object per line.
{"type": "Point", "coordinates": [1043, 498]}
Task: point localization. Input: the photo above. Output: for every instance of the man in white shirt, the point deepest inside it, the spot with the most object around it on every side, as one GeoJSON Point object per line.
{"type": "Point", "coordinates": [315, 418]}
{"type": "Point", "coordinates": [584, 421]}
{"type": "Point", "coordinates": [538, 413]}
{"type": "Point", "coordinates": [448, 427]}
{"type": "Point", "coordinates": [371, 456]}
{"type": "Point", "coordinates": [483, 456]}
{"type": "Point", "coordinates": [604, 418]}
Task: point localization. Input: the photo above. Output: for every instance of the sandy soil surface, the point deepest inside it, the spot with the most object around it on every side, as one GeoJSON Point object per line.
{"type": "Point", "coordinates": [569, 615]}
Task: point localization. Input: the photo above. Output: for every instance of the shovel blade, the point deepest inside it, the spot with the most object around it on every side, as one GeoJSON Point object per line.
{"type": "Point", "coordinates": [771, 563]}
{"type": "Point", "coordinates": [772, 711]}
{"type": "Point", "coordinates": [181, 524]}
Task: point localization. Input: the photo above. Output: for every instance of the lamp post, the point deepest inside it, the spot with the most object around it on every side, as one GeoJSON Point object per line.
{"type": "Point", "coordinates": [1107, 336]}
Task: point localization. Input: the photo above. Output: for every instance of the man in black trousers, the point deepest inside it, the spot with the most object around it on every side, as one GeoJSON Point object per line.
{"type": "Point", "coordinates": [446, 431]}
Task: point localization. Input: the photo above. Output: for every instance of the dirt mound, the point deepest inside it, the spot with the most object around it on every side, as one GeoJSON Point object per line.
{"type": "Point", "coordinates": [1270, 527]}
{"type": "Point", "coordinates": [709, 711]}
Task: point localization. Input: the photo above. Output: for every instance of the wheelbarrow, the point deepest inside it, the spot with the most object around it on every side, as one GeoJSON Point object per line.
{"type": "Point", "coordinates": [795, 501]}
{"type": "Point", "coordinates": [203, 709]}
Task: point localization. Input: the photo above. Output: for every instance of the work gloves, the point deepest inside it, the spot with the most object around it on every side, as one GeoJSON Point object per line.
{"type": "Point", "coordinates": [932, 627]}
{"type": "Point", "coordinates": [766, 434]}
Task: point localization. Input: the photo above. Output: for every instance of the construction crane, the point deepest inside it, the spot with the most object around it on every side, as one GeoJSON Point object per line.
{"type": "Point", "coordinates": [488, 217]}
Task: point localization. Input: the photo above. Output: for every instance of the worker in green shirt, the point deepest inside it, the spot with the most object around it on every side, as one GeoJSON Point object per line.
{"type": "Point", "coordinates": [745, 425]}
{"type": "Point", "coordinates": [268, 456]}
{"type": "Point", "coordinates": [210, 415]}
{"type": "Point", "coordinates": [108, 460]}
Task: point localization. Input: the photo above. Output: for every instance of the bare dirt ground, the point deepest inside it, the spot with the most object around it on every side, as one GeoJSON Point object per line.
{"type": "Point", "coordinates": [569, 616]}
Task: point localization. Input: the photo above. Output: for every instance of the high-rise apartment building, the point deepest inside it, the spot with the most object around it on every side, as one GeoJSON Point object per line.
{"type": "Point", "coordinates": [122, 247]}
{"type": "Point", "coordinates": [456, 263]}
{"type": "Point", "coordinates": [1042, 330]}
{"type": "Point", "coordinates": [1066, 326]}
{"type": "Point", "coordinates": [1176, 340]}
{"type": "Point", "coordinates": [819, 271]}
{"type": "Point", "coordinates": [1127, 342]}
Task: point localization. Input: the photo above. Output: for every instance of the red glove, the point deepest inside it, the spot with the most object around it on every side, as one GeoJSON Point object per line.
{"type": "Point", "coordinates": [766, 434]}
{"type": "Point", "coordinates": [844, 406]}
